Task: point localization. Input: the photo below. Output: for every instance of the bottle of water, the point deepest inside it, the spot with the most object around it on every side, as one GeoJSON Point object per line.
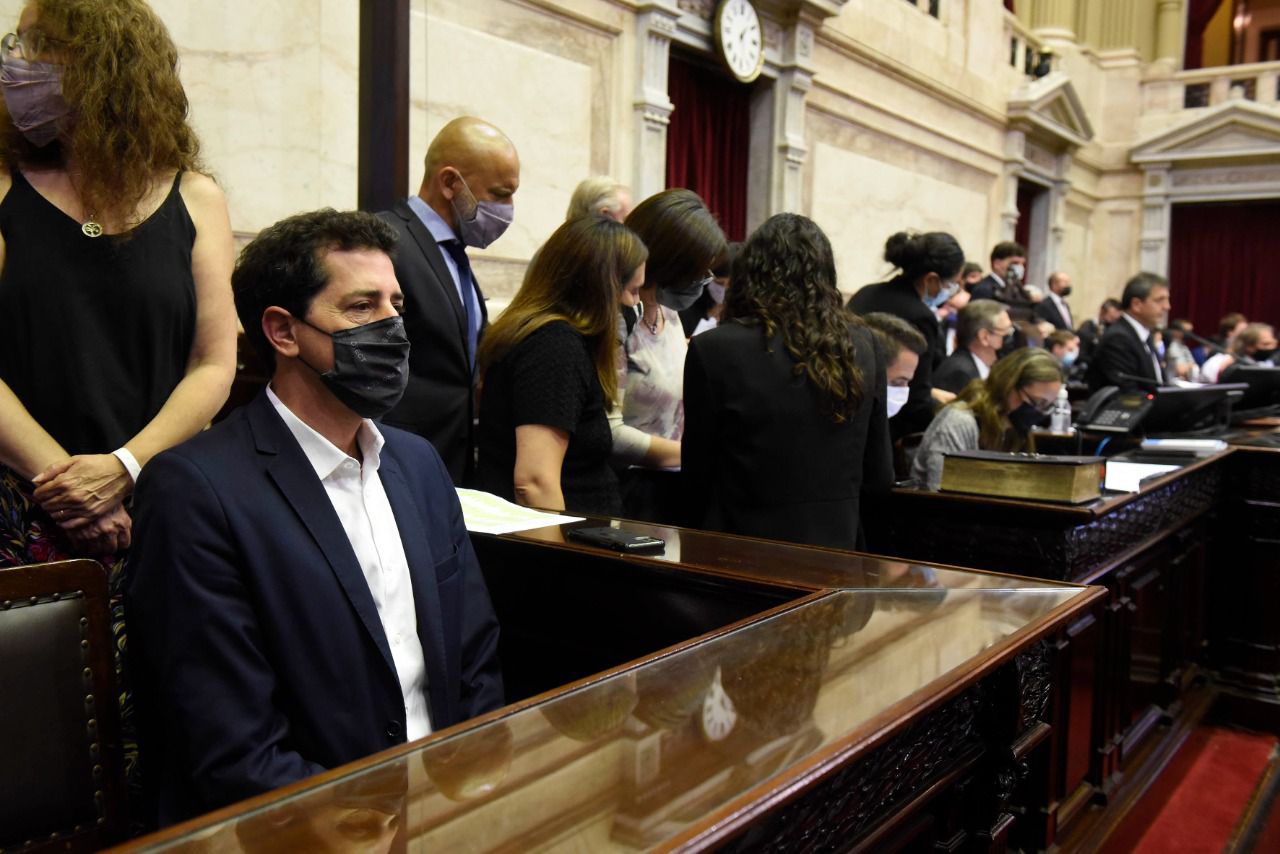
{"type": "Point", "coordinates": [1060, 419]}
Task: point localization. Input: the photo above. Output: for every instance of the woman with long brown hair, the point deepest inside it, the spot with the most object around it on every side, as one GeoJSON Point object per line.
{"type": "Point", "coordinates": [548, 372]}
{"type": "Point", "coordinates": [116, 257]}
{"type": "Point", "coordinates": [784, 401]}
{"type": "Point", "coordinates": [992, 414]}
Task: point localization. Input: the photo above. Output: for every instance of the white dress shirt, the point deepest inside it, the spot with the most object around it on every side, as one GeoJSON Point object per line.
{"type": "Point", "coordinates": [356, 492]}
{"type": "Point", "coordinates": [1062, 309]}
{"type": "Point", "coordinates": [1144, 335]}
{"type": "Point", "coordinates": [983, 367]}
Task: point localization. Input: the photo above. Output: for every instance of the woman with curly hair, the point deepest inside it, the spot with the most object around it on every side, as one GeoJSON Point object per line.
{"type": "Point", "coordinates": [784, 401]}
{"type": "Point", "coordinates": [115, 264]}
{"type": "Point", "coordinates": [549, 376]}
{"type": "Point", "coordinates": [992, 414]}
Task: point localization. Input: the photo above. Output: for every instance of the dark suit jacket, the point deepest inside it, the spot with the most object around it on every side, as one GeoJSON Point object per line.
{"type": "Point", "coordinates": [987, 287]}
{"type": "Point", "coordinates": [759, 458]}
{"type": "Point", "coordinates": [899, 298]}
{"type": "Point", "coordinates": [1120, 351]}
{"type": "Point", "coordinates": [956, 371]}
{"type": "Point", "coordinates": [255, 644]}
{"type": "Point", "coordinates": [1047, 309]}
{"type": "Point", "coordinates": [439, 403]}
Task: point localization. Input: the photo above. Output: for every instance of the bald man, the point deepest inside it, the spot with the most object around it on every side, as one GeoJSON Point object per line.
{"type": "Point", "coordinates": [472, 173]}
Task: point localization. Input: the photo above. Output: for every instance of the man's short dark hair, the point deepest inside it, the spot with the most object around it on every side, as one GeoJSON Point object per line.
{"type": "Point", "coordinates": [1140, 287]}
{"type": "Point", "coordinates": [1008, 249]}
{"type": "Point", "coordinates": [1059, 338]}
{"type": "Point", "coordinates": [892, 335]}
{"type": "Point", "coordinates": [978, 314]}
{"type": "Point", "coordinates": [969, 268]}
{"type": "Point", "coordinates": [284, 265]}
{"type": "Point", "coordinates": [1110, 302]}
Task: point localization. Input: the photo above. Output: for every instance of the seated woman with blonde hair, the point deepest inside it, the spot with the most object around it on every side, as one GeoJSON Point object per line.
{"type": "Point", "coordinates": [995, 414]}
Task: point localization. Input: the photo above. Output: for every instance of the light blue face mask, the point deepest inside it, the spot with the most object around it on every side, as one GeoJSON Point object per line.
{"type": "Point", "coordinates": [936, 302]}
{"type": "Point", "coordinates": [1069, 358]}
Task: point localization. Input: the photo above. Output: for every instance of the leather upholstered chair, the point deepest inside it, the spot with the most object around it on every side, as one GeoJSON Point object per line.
{"type": "Point", "coordinates": [61, 777]}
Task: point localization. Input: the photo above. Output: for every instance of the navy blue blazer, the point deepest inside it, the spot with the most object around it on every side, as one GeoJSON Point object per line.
{"type": "Point", "coordinates": [255, 646]}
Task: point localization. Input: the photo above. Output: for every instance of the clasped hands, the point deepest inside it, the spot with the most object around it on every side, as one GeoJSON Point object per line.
{"type": "Point", "coordinates": [85, 495]}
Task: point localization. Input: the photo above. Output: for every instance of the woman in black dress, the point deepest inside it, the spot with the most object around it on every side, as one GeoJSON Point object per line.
{"type": "Point", "coordinates": [549, 375]}
{"type": "Point", "coordinates": [115, 274]}
{"type": "Point", "coordinates": [785, 400]}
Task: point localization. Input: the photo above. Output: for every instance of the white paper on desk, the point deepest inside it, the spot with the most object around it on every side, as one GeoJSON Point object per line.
{"type": "Point", "coordinates": [1128, 477]}
{"type": "Point", "coordinates": [486, 513]}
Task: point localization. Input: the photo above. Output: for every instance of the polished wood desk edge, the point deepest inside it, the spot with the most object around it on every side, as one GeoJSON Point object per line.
{"type": "Point", "coordinates": [774, 576]}
{"type": "Point", "coordinates": [734, 817]}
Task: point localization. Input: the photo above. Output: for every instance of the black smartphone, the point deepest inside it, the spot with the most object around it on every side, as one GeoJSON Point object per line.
{"type": "Point", "coordinates": [618, 541]}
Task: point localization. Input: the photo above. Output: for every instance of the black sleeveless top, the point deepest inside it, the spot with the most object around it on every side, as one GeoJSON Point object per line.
{"type": "Point", "coordinates": [96, 331]}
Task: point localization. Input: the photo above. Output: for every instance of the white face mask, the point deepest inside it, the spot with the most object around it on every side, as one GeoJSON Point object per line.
{"type": "Point", "coordinates": [1015, 272]}
{"type": "Point", "coordinates": [897, 398]}
{"type": "Point", "coordinates": [716, 290]}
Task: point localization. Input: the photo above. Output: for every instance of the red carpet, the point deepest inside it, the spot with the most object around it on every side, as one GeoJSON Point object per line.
{"type": "Point", "coordinates": [1209, 800]}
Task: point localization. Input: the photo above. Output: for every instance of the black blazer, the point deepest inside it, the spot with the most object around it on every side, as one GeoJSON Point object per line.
{"type": "Point", "coordinates": [758, 458]}
{"type": "Point", "coordinates": [956, 372]}
{"type": "Point", "coordinates": [439, 403]}
{"type": "Point", "coordinates": [1047, 309]}
{"type": "Point", "coordinates": [1120, 352]}
{"type": "Point", "coordinates": [987, 287]}
{"type": "Point", "coordinates": [256, 649]}
{"type": "Point", "coordinates": [899, 298]}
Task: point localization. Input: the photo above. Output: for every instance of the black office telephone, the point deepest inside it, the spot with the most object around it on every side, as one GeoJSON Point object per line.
{"type": "Point", "coordinates": [1110, 410]}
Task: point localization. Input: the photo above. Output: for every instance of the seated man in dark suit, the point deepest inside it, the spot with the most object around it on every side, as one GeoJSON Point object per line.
{"type": "Point", "coordinates": [302, 591]}
{"type": "Point", "coordinates": [1090, 331]}
{"type": "Point", "coordinates": [472, 174]}
{"type": "Point", "coordinates": [981, 329]}
{"type": "Point", "coordinates": [1125, 357]}
{"type": "Point", "coordinates": [1053, 307]}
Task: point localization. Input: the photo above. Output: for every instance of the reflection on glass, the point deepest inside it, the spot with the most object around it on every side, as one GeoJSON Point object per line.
{"type": "Point", "coordinates": [631, 760]}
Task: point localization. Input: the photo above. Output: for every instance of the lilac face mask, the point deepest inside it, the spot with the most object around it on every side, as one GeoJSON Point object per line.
{"type": "Point", "coordinates": [481, 223]}
{"type": "Point", "coordinates": [33, 94]}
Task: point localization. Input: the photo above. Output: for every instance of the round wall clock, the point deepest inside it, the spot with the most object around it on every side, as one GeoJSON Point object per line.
{"type": "Point", "coordinates": [740, 38]}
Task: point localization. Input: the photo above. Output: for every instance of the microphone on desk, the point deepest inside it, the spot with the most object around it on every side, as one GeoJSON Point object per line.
{"type": "Point", "coordinates": [1144, 383]}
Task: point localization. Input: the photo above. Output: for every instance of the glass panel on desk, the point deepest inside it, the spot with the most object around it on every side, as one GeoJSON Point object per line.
{"type": "Point", "coordinates": [636, 758]}
{"type": "Point", "coordinates": [790, 562]}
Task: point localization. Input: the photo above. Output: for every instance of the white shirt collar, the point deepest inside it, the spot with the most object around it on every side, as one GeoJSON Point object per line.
{"type": "Point", "coordinates": [324, 456]}
{"type": "Point", "coordinates": [983, 367]}
{"type": "Point", "coordinates": [1143, 332]}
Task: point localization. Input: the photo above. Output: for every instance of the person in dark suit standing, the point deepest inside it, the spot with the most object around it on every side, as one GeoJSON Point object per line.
{"type": "Point", "coordinates": [1004, 282]}
{"type": "Point", "coordinates": [1125, 357]}
{"type": "Point", "coordinates": [1091, 330]}
{"type": "Point", "coordinates": [929, 265]}
{"type": "Point", "coordinates": [303, 591]}
{"type": "Point", "coordinates": [982, 327]}
{"type": "Point", "coordinates": [784, 401]}
{"type": "Point", "coordinates": [1053, 307]}
{"type": "Point", "coordinates": [472, 173]}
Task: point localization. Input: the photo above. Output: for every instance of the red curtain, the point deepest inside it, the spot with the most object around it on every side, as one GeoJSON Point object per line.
{"type": "Point", "coordinates": [708, 140]}
{"type": "Point", "coordinates": [1224, 258]}
{"type": "Point", "coordinates": [1199, 14]}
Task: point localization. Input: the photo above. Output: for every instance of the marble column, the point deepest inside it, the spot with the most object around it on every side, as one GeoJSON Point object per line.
{"type": "Point", "coordinates": [795, 78]}
{"type": "Point", "coordinates": [655, 25]}
{"type": "Point", "coordinates": [1015, 148]}
{"type": "Point", "coordinates": [1170, 16]}
{"type": "Point", "coordinates": [1054, 20]}
{"type": "Point", "coordinates": [1117, 24]}
{"type": "Point", "coordinates": [1155, 218]}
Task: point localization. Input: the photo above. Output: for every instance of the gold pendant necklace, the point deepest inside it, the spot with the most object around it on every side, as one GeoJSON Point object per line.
{"type": "Point", "coordinates": [91, 227]}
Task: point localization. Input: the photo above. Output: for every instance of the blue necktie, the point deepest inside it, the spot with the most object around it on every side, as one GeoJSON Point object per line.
{"type": "Point", "coordinates": [470, 307]}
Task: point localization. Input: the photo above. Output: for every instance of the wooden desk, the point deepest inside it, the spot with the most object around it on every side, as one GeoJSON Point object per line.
{"type": "Point", "coordinates": [1192, 575]}
{"type": "Point", "coordinates": [751, 694]}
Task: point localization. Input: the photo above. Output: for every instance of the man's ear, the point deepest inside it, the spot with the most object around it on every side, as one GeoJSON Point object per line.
{"type": "Point", "coordinates": [277, 325]}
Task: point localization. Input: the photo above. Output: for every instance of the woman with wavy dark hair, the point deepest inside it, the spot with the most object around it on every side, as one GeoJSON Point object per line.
{"type": "Point", "coordinates": [785, 400]}
{"type": "Point", "coordinates": [116, 257]}
{"type": "Point", "coordinates": [548, 372]}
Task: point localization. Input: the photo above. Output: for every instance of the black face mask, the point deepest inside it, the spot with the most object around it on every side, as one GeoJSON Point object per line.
{"type": "Point", "coordinates": [370, 366]}
{"type": "Point", "coordinates": [1263, 355]}
{"type": "Point", "coordinates": [1026, 417]}
{"type": "Point", "coordinates": [1066, 292]}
